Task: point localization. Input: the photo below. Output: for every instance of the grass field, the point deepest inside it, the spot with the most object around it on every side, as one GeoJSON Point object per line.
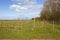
{"type": "Point", "coordinates": [27, 29]}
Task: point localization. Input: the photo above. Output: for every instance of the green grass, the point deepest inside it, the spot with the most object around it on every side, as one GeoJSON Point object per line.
{"type": "Point", "coordinates": [26, 29]}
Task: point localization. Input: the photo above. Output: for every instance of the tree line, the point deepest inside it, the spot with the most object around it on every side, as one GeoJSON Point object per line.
{"type": "Point", "coordinates": [51, 11]}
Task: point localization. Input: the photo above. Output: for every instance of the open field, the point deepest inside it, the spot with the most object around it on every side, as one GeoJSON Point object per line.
{"type": "Point", "coordinates": [28, 29]}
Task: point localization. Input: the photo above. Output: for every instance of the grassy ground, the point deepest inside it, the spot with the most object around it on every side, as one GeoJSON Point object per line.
{"type": "Point", "coordinates": [26, 29]}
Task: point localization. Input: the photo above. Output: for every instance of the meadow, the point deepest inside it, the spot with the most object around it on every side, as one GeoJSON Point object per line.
{"type": "Point", "coordinates": [28, 29]}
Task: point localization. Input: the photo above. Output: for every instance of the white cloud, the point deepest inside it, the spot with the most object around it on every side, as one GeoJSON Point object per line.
{"type": "Point", "coordinates": [34, 7]}
{"type": "Point", "coordinates": [25, 1]}
{"type": "Point", "coordinates": [18, 8]}
{"type": "Point", "coordinates": [28, 5]}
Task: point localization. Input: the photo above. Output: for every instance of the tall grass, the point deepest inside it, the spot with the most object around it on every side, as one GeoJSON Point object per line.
{"type": "Point", "coordinates": [23, 29]}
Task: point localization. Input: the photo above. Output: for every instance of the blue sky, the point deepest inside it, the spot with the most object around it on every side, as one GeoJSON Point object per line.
{"type": "Point", "coordinates": [23, 9]}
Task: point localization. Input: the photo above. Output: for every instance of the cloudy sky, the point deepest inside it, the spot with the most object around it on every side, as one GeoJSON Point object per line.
{"type": "Point", "coordinates": [23, 9]}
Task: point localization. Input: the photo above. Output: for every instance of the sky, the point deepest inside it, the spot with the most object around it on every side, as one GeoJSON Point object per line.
{"type": "Point", "coordinates": [20, 9]}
